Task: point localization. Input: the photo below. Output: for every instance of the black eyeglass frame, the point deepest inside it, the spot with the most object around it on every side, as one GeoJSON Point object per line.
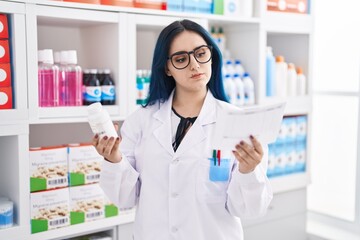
{"type": "Point", "coordinates": [188, 53]}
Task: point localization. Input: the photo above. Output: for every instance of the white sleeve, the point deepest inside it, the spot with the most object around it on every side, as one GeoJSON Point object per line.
{"type": "Point", "coordinates": [120, 180]}
{"type": "Point", "coordinates": [249, 195]}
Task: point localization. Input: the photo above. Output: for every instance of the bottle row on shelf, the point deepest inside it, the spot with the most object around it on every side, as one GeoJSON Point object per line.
{"type": "Point", "coordinates": [63, 83]}
{"type": "Point", "coordinates": [283, 79]}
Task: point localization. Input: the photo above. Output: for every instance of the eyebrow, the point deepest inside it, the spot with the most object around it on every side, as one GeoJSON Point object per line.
{"type": "Point", "coordinates": [184, 51]}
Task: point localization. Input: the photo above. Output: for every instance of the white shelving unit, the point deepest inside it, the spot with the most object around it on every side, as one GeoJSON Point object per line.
{"type": "Point", "coordinates": [123, 40]}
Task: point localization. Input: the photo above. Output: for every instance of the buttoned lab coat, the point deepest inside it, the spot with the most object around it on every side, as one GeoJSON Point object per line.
{"type": "Point", "coordinates": [174, 196]}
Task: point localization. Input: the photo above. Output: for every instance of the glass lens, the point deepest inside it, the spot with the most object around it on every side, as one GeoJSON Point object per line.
{"type": "Point", "coordinates": [180, 60]}
{"type": "Point", "coordinates": [203, 54]}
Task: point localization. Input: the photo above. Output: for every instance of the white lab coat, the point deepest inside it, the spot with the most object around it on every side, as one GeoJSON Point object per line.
{"type": "Point", "coordinates": [174, 197]}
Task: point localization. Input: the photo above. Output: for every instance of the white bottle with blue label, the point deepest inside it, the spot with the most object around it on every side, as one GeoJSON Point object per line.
{"type": "Point", "coordinates": [230, 89]}
{"type": "Point", "coordinates": [249, 89]}
{"type": "Point", "coordinates": [240, 93]}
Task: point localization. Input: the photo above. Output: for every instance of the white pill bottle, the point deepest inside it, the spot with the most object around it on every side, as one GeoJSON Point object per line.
{"type": "Point", "coordinates": [100, 121]}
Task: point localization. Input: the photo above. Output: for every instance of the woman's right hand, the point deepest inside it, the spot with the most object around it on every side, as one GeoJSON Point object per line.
{"type": "Point", "coordinates": [108, 147]}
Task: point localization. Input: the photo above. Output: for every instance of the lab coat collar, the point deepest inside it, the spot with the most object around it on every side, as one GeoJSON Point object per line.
{"type": "Point", "coordinates": [196, 133]}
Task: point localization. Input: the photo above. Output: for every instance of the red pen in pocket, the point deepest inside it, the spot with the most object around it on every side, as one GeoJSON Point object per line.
{"type": "Point", "coordinates": [218, 156]}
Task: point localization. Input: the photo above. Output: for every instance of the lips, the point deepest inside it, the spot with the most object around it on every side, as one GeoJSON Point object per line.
{"type": "Point", "coordinates": [198, 75]}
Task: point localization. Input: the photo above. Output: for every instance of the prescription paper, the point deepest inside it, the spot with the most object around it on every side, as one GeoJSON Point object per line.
{"type": "Point", "coordinates": [236, 124]}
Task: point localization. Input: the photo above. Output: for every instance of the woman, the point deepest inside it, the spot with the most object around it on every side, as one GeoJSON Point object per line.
{"type": "Point", "coordinates": [164, 162]}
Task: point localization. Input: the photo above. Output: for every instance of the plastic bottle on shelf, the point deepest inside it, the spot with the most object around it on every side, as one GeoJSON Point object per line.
{"type": "Point", "coordinates": [239, 86]}
{"type": "Point", "coordinates": [142, 86]}
{"type": "Point", "coordinates": [249, 90]}
{"type": "Point", "coordinates": [86, 76]}
{"type": "Point", "coordinates": [270, 73]}
{"type": "Point", "coordinates": [239, 68]}
{"type": "Point", "coordinates": [221, 39]}
{"type": "Point", "coordinates": [230, 89]}
{"type": "Point", "coordinates": [93, 88]}
{"type": "Point", "coordinates": [73, 79]}
{"type": "Point", "coordinates": [107, 89]}
{"type": "Point", "coordinates": [281, 76]}
{"type": "Point", "coordinates": [291, 80]}
{"type": "Point", "coordinates": [6, 213]}
{"type": "Point", "coordinates": [301, 82]}
{"type": "Point", "coordinates": [100, 121]}
{"type": "Point", "coordinates": [48, 79]}
{"type": "Point", "coordinates": [229, 66]}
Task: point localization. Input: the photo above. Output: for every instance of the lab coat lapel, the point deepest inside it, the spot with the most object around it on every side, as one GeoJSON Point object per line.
{"type": "Point", "coordinates": [196, 133]}
{"type": "Point", "coordinates": [163, 132]}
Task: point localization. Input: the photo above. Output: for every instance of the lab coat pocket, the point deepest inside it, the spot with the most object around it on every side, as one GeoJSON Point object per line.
{"type": "Point", "coordinates": [212, 181]}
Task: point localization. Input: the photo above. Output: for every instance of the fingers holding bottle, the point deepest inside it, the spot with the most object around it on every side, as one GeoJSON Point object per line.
{"type": "Point", "coordinates": [108, 147]}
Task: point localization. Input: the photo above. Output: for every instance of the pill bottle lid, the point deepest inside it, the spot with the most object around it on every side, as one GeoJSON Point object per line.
{"type": "Point", "coordinates": [94, 108]}
{"type": "Point", "coordinates": [291, 66]}
{"type": "Point", "coordinates": [299, 70]}
{"type": "Point", "coordinates": [280, 59]}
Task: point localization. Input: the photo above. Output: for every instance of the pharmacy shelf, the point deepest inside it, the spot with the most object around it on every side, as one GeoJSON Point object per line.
{"type": "Point", "coordinates": [145, 11]}
{"type": "Point", "coordinates": [290, 182]}
{"type": "Point", "coordinates": [40, 24]}
{"type": "Point", "coordinates": [15, 232]}
{"type": "Point", "coordinates": [85, 228]}
{"type": "Point", "coordinates": [70, 114]}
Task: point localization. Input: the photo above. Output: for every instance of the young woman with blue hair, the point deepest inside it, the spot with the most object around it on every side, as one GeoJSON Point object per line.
{"type": "Point", "coordinates": [164, 163]}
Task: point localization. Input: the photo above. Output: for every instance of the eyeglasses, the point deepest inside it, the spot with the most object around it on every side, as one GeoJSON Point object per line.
{"type": "Point", "coordinates": [181, 60]}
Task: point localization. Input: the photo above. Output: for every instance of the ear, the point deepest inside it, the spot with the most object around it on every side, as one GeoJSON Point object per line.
{"type": "Point", "coordinates": [167, 72]}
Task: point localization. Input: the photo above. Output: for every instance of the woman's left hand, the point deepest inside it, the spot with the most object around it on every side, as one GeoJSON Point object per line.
{"type": "Point", "coordinates": [249, 156]}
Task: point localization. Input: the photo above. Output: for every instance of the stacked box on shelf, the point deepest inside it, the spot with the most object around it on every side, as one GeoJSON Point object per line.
{"type": "Point", "coordinates": [287, 153]}
{"type": "Point", "coordinates": [292, 6]}
{"type": "Point", "coordinates": [198, 6]}
{"type": "Point", "coordinates": [48, 168]}
{"type": "Point", "coordinates": [49, 210]}
{"type": "Point", "coordinates": [195, 6]}
{"type": "Point", "coordinates": [88, 203]}
{"type": "Point", "coordinates": [84, 164]}
{"type": "Point", "coordinates": [73, 171]}
{"type": "Point", "coordinates": [6, 98]}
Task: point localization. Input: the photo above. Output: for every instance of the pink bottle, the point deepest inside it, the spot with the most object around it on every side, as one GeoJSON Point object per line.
{"type": "Point", "coordinates": [70, 80]}
{"type": "Point", "coordinates": [48, 77]}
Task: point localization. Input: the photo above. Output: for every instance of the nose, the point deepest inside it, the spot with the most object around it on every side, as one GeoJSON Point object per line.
{"type": "Point", "coordinates": [193, 62]}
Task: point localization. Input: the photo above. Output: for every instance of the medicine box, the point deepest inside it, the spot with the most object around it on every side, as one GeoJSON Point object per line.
{"type": "Point", "coordinates": [5, 75]}
{"type": "Point", "coordinates": [84, 164]}
{"type": "Point", "coordinates": [175, 5]}
{"type": "Point", "coordinates": [4, 30]}
{"type": "Point", "coordinates": [49, 210]}
{"type": "Point", "coordinates": [6, 100]}
{"type": "Point", "coordinates": [292, 6]}
{"type": "Point", "coordinates": [89, 203]}
{"type": "Point", "coordinates": [4, 51]}
{"type": "Point", "coordinates": [124, 3]}
{"type": "Point", "coordinates": [48, 168]}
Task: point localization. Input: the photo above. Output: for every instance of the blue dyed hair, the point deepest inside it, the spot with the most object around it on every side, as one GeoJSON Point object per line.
{"type": "Point", "coordinates": [161, 85]}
